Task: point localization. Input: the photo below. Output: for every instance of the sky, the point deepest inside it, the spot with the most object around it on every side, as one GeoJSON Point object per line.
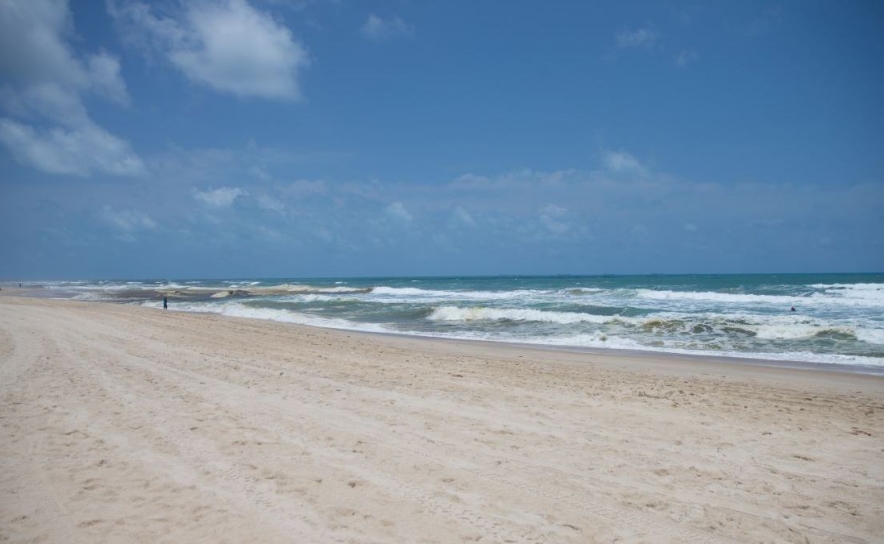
{"type": "Point", "coordinates": [286, 138]}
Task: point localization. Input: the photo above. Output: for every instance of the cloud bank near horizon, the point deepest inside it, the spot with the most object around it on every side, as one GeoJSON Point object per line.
{"type": "Point", "coordinates": [609, 219]}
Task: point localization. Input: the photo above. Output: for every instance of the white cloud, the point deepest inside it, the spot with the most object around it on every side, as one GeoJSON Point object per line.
{"type": "Point", "coordinates": [267, 233]}
{"type": "Point", "coordinates": [553, 211]}
{"type": "Point", "coordinates": [78, 151]}
{"type": "Point", "coordinates": [52, 100]}
{"type": "Point", "coordinates": [33, 41]}
{"type": "Point", "coordinates": [379, 29]}
{"type": "Point", "coordinates": [228, 46]}
{"type": "Point", "coordinates": [398, 212]}
{"type": "Point", "coordinates": [685, 57]}
{"type": "Point", "coordinates": [35, 52]}
{"type": "Point", "coordinates": [305, 187]}
{"type": "Point", "coordinates": [47, 81]}
{"type": "Point", "coordinates": [472, 181]}
{"type": "Point", "coordinates": [220, 198]}
{"type": "Point", "coordinates": [553, 218]}
{"type": "Point", "coordinates": [104, 75]}
{"type": "Point", "coordinates": [642, 37]}
{"type": "Point", "coordinates": [268, 202]}
{"type": "Point", "coordinates": [260, 173]}
{"type": "Point", "coordinates": [127, 220]}
{"type": "Point", "coordinates": [461, 217]}
{"type": "Point", "coordinates": [621, 162]}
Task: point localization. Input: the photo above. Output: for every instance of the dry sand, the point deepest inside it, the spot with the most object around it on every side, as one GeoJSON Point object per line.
{"type": "Point", "coordinates": [127, 424]}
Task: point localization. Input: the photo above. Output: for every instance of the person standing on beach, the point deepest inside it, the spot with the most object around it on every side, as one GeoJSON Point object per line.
{"type": "Point", "coordinates": [165, 303]}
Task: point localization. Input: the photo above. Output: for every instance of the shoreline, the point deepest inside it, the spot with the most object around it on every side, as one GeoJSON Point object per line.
{"type": "Point", "coordinates": [750, 360]}
{"type": "Point", "coordinates": [626, 353]}
{"type": "Point", "coordinates": [129, 424]}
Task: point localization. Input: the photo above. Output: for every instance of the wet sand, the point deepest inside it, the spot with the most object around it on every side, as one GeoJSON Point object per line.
{"type": "Point", "coordinates": [127, 424]}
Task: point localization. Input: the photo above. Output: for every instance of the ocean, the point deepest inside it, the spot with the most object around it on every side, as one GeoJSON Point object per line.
{"type": "Point", "coordinates": [838, 318]}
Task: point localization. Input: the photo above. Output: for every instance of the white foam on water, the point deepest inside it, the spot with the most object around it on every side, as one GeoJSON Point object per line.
{"type": "Point", "coordinates": [851, 287]}
{"type": "Point", "coordinates": [93, 296]}
{"type": "Point", "coordinates": [478, 313]}
{"type": "Point", "coordinates": [871, 336]}
{"type": "Point", "coordinates": [796, 356]}
{"type": "Point", "coordinates": [340, 290]}
{"type": "Point", "coordinates": [235, 309]}
{"type": "Point", "coordinates": [312, 289]}
{"type": "Point", "coordinates": [710, 296]}
{"type": "Point", "coordinates": [795, 331]}
{"type": "Point", "coordinates": [408, 291]}
{"type": "Point", "coordinates": [855, 294]}
{"type": "Point", "coordinates": [599, 340]}
{"type": "Point", "coordinates": [308, 297]}
{"type": "Point", "coordinates": [406, 294]}
{"type": "Point", "coordinates": [589, 340]}
{"type": "Point", "coordinates": [238, 285]}
{"type": "Point", "coordinates": [180, 286]}
{"type": "Point", "coordinates": [311, 298]}
{"type": "Point", "coordinates": [607, 341]}
{"type": "Point", "coordinates": [787, 326]}
{"type": "Point", "coordinates": [859, 295]}
{"type": "Point", "coordinates": [83, 286]}
{"type": "Point", "coordinates": [578, 291]}
{"type": "Point", "coordinates": [286, 288]}
{"type": "Point", "coordinates": [789, 356]}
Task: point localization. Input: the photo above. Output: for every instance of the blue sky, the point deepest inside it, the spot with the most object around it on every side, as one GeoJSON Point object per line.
{"type": "Point", "coordinates": [278, 138]}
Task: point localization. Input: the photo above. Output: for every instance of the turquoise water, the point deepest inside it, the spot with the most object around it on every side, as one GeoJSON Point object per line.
{"type": "Point", "coordinates": [838, 318]}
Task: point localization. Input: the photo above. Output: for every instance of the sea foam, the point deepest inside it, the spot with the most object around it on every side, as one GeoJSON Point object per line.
{"type": "Point", "coordinates": [454, 313]}
{"type": "Point", "coordinates": [867, 297]}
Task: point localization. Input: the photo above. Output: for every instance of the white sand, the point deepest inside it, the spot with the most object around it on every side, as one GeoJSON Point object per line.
{"type": "Point", "coordinates": [126, 424]}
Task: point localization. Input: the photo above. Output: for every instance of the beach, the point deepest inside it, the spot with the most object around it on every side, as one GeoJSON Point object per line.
{"type": "Point", "coordinates": [124, 423]}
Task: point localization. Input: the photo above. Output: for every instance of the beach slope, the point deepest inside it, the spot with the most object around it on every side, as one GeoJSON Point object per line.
{"type": "Point", "coordinates": [128, 424]}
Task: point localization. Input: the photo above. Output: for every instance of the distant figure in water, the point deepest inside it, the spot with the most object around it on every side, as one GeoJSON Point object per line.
{"type": "Point", "coordinates": [166, 303]}
{"type": "Point", "coordinates": [793, 309]}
